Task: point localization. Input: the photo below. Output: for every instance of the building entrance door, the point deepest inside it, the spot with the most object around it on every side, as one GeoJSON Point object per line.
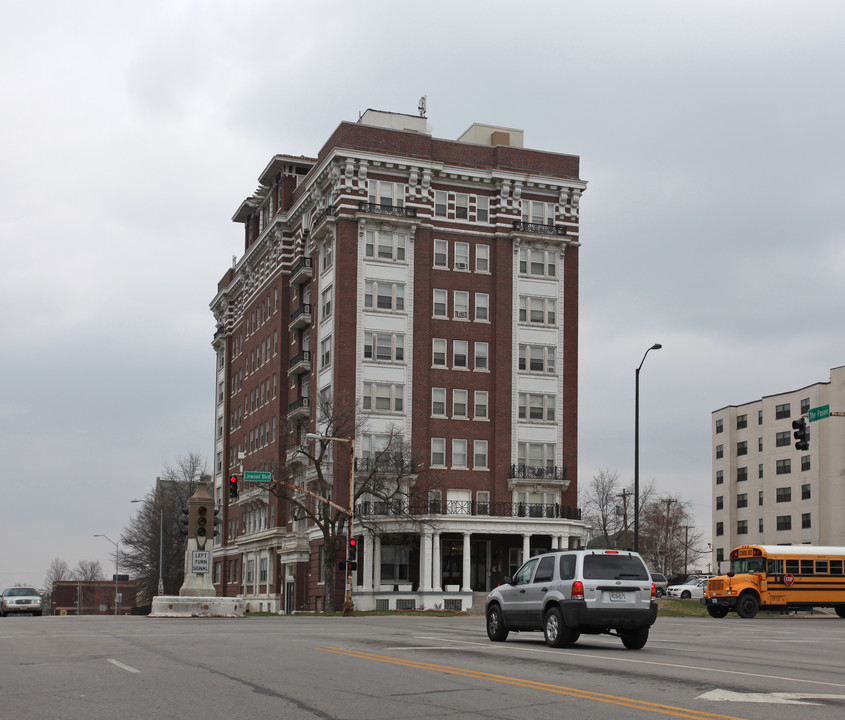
{"type": "Point", "coordinates": [478, 554]}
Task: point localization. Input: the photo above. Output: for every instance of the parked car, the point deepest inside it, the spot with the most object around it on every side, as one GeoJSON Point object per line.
{"type": "Point", "coordinates": [567, 593]}
{"type": "Point", "coordinates": [660, 583]}
{"type": "Point", "coordinates": [690, 589]}
{"type": "Point", "coordinates": [20, 600]}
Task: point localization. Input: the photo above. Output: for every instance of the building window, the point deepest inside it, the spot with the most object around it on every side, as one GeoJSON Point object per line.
{"type": "Point", "coordinates": [720, 528]}
{"type": "Point", "coordinates": [806, 522]}
{"type": "Point", "coordinates": [459, 404]}
{"type": "Point", "coordinates": [325, 260]}
{"type": "Point", "coordinates": [459, 454]}
{"type": "Point", "coordinates": [438, 402]}
{"type": "Point", "coordinates": [480, 411]}
{"type": "Point", "coordinates": [460, 348]}
{"type": "Point", "coordinates": [760, 470]}
{"type": "Point", "coordinates": [537, 358]}
{"type": "Point", "coordinates": [482, 502]}
{"type": "Point", "coordinates": [539, 311]}
{"type": "Point", "coordinates": [326, 303]}
{"type": "Point", "coordinates": [742, 448]}
{"type": "Point", "coordinates": [536, 406]}
{"type": "Point", "coordinates": [382, 245]}
{"type": "Point", "coordinates": [720, 502]}
{"type": "Point", "coordinates": [482, 258]}
{"type": "Point", "coordinates": [540, 263]}
{"type": "Point", "coordinates": [438, 352]}
{"type": "Point", "coordinates": [438, 452]}
{"type": "Point", "coordinates": [741, 474]}
{"type": "Point", "coordinates": [805, 463]}
{"type": "Point", "coordinates": [440, 203]}
{"type": "Point", "coordinates": [461, 306]}
{"type": "Point", "coordinates": [719, 426]}
{"type": "Point", "coordinates": [441, 254]}
{"type": "Point", "coordinates": [481, 356]}
{"type": "Point", "coordinates": [784, 522]}
{"type": "Point", "coordinates": [388, 347]}
{"type": "Point", "coordinates": [742, 527]}
{"type": "Point", "coordinates": [782, 411]}
{"type": "Point", "coordinates": [741, 422]}
{"type": "Point", "coordinates": [384, 295]}
{"type": "Point", "coordinates": [461, 256]}
{"type": "Point", "coordinates": [482, 208]}
{"type": "Point", "coordinates": [479, 455]}
{"type": "Point", "coordinates": [482, 307]}
{"type": "Point", "coordinates": [783, 494]}
{"type": "Point", "coordinates": [784, 467]}
{"type": "Point", "coordinates": [760, 497]}
{"type": "Point", "coordinates": [805, 406]}
{"type": "Point", "coordinates": [742, 500]}
{"type": "Point", "coordinates": [720, 477]}
{"type": "Point", "coordinates": [383, 397]}
{"type": "Point", "coordinates": [534, 454]}
{"type": "Point", "coordinates": [759, 417]}
{"type": "Point", "coordinates": [759, 444]}
{"type": "Point", "coordinates": [720, 451]}
{"type": "Point", "coordinates": [386, 193]}
{"type": "Point", "coordinates": [441, 298]}
{"type": "Point", "coordinates": [806, 493]}
{"type": "Point", "coordinates": [538, 213]}
{"type": "Point", "coordinates": [461, 206]}
{"type": "Point", "coordinates": [326, 352]}
{"type": "Point", "coordinates": [782, 439]}
{"type": "Point", "coordinates": [760, 525]}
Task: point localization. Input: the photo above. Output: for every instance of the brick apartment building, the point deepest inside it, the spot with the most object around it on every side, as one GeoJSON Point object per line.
{"type": "Point", "coordinates": [439, 280]}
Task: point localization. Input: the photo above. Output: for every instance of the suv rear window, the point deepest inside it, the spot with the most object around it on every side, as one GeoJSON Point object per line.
{"type": "Point", "coordinates": [614, 567]}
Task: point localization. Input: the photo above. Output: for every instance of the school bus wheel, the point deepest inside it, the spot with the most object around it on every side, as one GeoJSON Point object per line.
{"type": "Point", "coordinates": [717, 611]}
{"type": "Point", "coordinates": [840, 610]}
{"type": "Point", "coordinates": [747, 605]}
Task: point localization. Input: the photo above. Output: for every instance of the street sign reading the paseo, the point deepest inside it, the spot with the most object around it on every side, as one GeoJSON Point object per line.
{"type": "Point", "coordinates": [250, 476]}
{"type": "Point", "coordinates": [819, 413]}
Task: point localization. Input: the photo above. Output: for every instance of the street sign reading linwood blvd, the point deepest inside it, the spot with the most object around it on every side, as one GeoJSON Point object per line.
{"type": "Point", "coordinates": [250, 476]}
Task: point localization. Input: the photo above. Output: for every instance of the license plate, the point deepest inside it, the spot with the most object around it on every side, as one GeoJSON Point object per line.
{"type": "Point", "coordinates": [618, 597]}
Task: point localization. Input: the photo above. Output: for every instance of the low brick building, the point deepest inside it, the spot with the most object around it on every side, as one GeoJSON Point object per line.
{"type": "Point", "coordinates": [78, 597]}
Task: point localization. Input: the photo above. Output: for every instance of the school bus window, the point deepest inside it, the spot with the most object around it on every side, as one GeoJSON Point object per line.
{"type": "Point", "coordinates": [835, 567]}
{"type": "Point", "coordinates": [775, 567]}
{"type": "Point", "coordinates": [821, 567]}
{"type": "Point", "coordinates": [806, 567]}
{"type": "Point", "coordinates": [792, 566]}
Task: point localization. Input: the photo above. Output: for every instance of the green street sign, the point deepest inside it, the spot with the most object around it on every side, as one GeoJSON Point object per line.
{"type": "Point", "coordinates": [250, 476]}
{"type": "Point", "coordinates": [819, 413]}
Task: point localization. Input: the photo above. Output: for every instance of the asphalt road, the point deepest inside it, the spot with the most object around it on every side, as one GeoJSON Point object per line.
{"type": "Point", "coordinates": [376, 668]}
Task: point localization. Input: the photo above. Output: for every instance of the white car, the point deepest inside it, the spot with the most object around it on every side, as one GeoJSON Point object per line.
{"type": "Point", "coordinates": [20, 600]}
{"type": "Point", "coordinates": [692, 589]}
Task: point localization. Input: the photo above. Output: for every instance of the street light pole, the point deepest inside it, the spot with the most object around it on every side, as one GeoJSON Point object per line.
{"type": "Point", "coordinates": [348, 606]}
{"type": "Point", "coordinates": [116, 566]}
{"type": "Point", "coordinates": [656, 346]}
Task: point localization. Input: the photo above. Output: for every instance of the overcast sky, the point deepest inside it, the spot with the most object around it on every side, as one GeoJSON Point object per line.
{"type": "Point", "coordinates": [710, 133]}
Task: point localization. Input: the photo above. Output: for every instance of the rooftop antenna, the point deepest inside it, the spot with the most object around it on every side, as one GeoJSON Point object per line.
{"type": "Point", "coordinates": [422, 105]}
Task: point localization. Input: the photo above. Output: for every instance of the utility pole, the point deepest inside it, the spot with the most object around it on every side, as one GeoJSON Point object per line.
{"type": "Point", "coordinates": [624, 497]}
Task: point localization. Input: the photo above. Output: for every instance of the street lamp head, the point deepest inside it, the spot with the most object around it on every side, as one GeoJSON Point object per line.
{"type": "Point", "coordinates": [656, 346]}
{"type": "Point", "coordinates": [313, 436]}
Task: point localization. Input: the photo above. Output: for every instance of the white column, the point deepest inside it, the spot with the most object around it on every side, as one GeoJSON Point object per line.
{"type": "Point", "coordinates": [526, 547]}
{"type": "Point", "coordinates": [377, 562]}
{"type": "Point", "coordinates": [368, 561]}
{"type": "Point", "coordinates": [465, 570]}
{"type": "Point", "coordinates": [425, 561]}
{"type": "Point", "coordinates": [436, 570]}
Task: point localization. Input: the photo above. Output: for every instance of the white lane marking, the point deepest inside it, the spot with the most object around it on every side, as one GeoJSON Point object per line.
{"type": "Point", "coordinates": [122, 666]}
{"type": "Point", "coordinates": [777, 698]}
{"type": "Point", "coordinates": [698, 668]}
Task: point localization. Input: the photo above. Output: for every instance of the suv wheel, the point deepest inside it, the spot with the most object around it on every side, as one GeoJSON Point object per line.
{"type": "Point", "coordinates": [496, 629]}
{"type": "Point", "coordinates": [555, 631]}
{"type": "Point", "coordinates": [634, 639]}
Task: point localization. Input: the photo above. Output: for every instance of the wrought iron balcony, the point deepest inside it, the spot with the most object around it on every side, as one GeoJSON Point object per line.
{"type": "Point", "coordinates": [301, 271]}
{"type": "Point", "coordinates": [300, 408]}
{"type": "Point", "coordinates": [540, 228]}
{"type": "Point", "coordinates": [538, 472]}
{"type": "Point", "coordinates": [327, 212]}
{"type": "Point", "coordinates": [553, 511]}
{"type": "Point", "coordinates": [384, 209]}
{"type": "Point", "coordinates": [300, 317]}
{"type": "Point", "coordinates": [300, 363]}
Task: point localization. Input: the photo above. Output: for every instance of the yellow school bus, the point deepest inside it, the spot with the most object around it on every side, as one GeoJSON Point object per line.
{"type": "Point", "coordinates": [778, 577]}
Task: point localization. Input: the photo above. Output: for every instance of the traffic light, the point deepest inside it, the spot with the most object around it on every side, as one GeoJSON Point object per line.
{"type": "Point", "coordinates": [217, 522]}
{"type": "Point", "coordinates": [353, 550]}
{"type": "Point", "coordinates": [233, 487]}
{"type": "Point", "coordinates": [801, 434]}
{"type": "Point", "coordinates": [202, 521]}
{"type": "Point", "coordinates": [184, 521]}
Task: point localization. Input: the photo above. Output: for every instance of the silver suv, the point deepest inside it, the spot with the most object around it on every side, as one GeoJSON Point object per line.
{"type": "Point", "coordinates": [570, 592]}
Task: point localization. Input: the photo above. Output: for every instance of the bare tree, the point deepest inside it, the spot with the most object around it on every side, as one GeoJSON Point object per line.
{"type": "Point", "coordinates": [153, 545]}
{"type": "Point", "coordinates": [88, 571]}
{"type": "Point", "coordinates": [57, 571]}
{"type": "Point", "coordinates": [599, 503]}
{"type": "Point", "coordinates": [669, 541]}
{"type": "Point", "coordinates": [382, 485]}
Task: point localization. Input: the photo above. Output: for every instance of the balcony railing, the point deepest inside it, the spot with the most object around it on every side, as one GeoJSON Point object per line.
{"type": "Point", "coordinates": [540, 472]}
{"type": "Point", "coordinates": [380, 209]}
{"type": "Point", "coordinates": [553, 511]}
{"type": "Point", "coordinates": [388, 465]}
{"type": "Point", "coordinates": [539, 228]}
{"type": "Point", "coordinates": [327, 212]}
{"type": "Point", "coordinates": [300, 363]}
{"type": "Point", "coordinates": [300, 317]}
{"type": "Point", "coordinates": [299, 408]}
{"type": "Point", "coordinates": [301, 271]}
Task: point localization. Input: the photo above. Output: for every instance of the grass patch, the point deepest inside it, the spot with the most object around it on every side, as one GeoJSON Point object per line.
{"type": "Point", "coordinates": [675, 607]}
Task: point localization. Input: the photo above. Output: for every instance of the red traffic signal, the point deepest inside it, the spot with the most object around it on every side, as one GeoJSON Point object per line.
{"type": "Point", "coordinates": [233, 487]}
{"type": "Point", "coordinates": [202, 521]}
{"type": "Point", "coordinates": [353, 547]}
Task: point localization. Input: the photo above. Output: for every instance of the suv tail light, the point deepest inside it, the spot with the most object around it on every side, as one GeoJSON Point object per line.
{"type": "Point", "coordinates": [577, 590]}
{"type": "Point", "coordinates": [653, 592]}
